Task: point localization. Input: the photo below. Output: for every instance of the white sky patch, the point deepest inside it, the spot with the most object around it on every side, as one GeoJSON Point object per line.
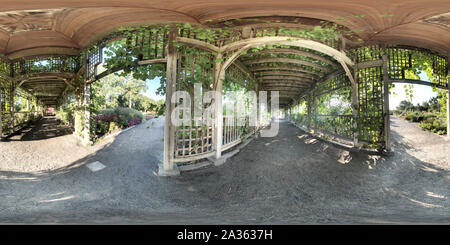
{"type": "Point", "coordinates": [421, 93]}
{"type": "Point", "coordinates": [152, 86]}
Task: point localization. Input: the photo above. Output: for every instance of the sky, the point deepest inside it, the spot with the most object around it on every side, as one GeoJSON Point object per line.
{"type": "Point", "coordinates": [152, 86]}
{"type": "Point", "coordinates": [421, 93]}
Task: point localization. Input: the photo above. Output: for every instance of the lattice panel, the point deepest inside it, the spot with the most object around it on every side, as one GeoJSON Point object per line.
{"type": "Point", "coordinates": [334, 84]}
{"type": "Point", "coordinates": [337, 125]}
{"type": "Point", "coordinates": [192, 140]}
{"type": "Point", "coordinates": [371, 106]}
{"type": "Point", "coordinates": [46, 64]}
{"type": "Point", "coordinates": [440, 69]}
{"type": "Point", "coordinates": [149, 43]}
{"type": "Point", "coordinates": [5, 67]}
{"type": "Point", "coordinates": [368, 53]}
{"type": "Point", "coordinates": [399, 61]}
{"type": "Point", "coordinates": [94, 57]}
{"type": "Point", "coordinates": [236, 75]}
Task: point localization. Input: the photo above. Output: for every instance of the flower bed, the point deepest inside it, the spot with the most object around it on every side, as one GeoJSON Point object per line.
{"type": "Point", "coordinates": [110, 121]}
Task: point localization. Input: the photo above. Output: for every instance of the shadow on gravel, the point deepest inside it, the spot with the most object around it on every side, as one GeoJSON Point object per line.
{"type": "Point", "coordinates": [289, 179]}
{"type": "Point", "coordinates": [46, 128]}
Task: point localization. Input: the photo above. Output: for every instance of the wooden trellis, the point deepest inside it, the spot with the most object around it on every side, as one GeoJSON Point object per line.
{"type": "Point", "coordinates": [194, 139]}
{"type": "Point", "coordinates": [401, 59]}
{"type": "Point", "coordinates": [42, 64]}
{"type": "Point", "coordinates": [371, 105]}
{"type": "Point", "coordinates": [94, 57]}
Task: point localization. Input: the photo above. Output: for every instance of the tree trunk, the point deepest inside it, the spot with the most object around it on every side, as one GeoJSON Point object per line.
{"type": "Point", "coordinates": [129, 102]}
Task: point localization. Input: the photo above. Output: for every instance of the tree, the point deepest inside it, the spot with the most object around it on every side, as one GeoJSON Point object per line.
{"type": "Point", "coordinates": [405, 105]}
{"type": "Point", "coordinates": [144, 103]}
{"type": "Point", "coordinates": [435, 105]}
{"type": "Point", "coordinates": [129, 87]}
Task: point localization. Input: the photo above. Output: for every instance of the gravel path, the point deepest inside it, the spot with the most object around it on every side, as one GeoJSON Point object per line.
{"type": "Point", "coordinates": [289, 179]}
{"type": "Point", "coordinates": [42, 147]}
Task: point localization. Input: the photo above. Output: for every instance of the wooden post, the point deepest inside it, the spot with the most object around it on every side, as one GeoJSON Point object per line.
{"type": "Point", "coordinates": [448, 97]}
{"type": "Point", "coordinates": [77, 111]}
{"type": "Point", "coordinates": [314, 104]}
{"type": "Point", "coordinates": [355, 109]}
{"type": "Point", "coordinates": [87, 114]}
{"type": "Point", "coordinates": [448, 109]}
{"type": "Point", "coordinates": [11, 106]}
{"type": "Point", "coordinates": [309, 112]}
{"type": "Point", "coordinates": [219, 76]}
{"type": "Point", "coordinates": [387, 122]}
{"type": "Point", "coordinates": [169, 130]}
{"type": "Point", "coordinates": [258, 109]}
{"type": "Point", "coordinates": [1, 112]}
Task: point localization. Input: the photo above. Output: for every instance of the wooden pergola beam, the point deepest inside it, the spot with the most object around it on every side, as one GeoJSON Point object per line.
{"type": "Point", "coordinates": [283, 67]}
{"type": "Point", "coordinates": [287, 60]}
{"type": "Point", "coordinates": [294, 52]}
{"type": "Point", "coordinates": [285, 81]}
{"type": "Point", "coordinates": [287, 73]}
{"type": "Point", "coordinates": [290, 41]}
{"type": "Point", "coordinates": [285, 78]}
{"type": "Point", "coordinates": [276, 85]}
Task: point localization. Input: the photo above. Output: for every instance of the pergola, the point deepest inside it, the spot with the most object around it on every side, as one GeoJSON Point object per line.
{"type": "Point", "coordinates": [303, 49]}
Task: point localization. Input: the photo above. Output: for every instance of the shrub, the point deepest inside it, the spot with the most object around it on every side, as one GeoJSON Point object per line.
{"type": "Point", "coordinates": [109, 120]}
{"type": "Point", "coordinates": [415, 116]}
{"type": "Point", "coordinates": [435, 125]}
{"type": "Point", "coordinates": [113, 126]}
{"type": "Point", "coordinates": [100, 127]}
{"type": "Point", "coordinates": [134, 121]}
{"type": "Point", "coordinates": [66, 116]}
{"type": "Point", "coordinates": [127, 114]}
{"type": "Point", "coordinates": [429, 115]}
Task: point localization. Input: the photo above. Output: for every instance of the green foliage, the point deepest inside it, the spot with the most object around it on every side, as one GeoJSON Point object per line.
{"type": "Point", "coordinates": [434, 124]}
{"type": "Point", "coordinates": [66, 115]}
{"type": "Point", "coordinates": [415, 116]}
{"type": "Point", "coordinates": [109, 120]}
{"type": "Point", "coordinates": [160, 107]}
{"type": "Point", "coordinates": [126, 114]}
{"type": "Point", "coordinates": [121, 91]}
{"type": "Point", "coordinates": [428, 115]}
{"type": "Point", "coordinates": [335, 103]}
{"type": "Point", "coordinates": [432, 105]}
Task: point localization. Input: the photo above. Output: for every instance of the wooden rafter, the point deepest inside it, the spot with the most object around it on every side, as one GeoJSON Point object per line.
{"type": "Point", "coordinates": [283, 67]}
{"type": "Point", "coordinates": [287, 60]}
{"type": "Point", "coordinates": [294, 52]}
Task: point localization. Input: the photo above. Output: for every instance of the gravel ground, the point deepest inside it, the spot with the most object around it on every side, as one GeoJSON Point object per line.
{"type": "Point", "coordinates": [45, 146]}
{"type": "Point", "coordinates": [289, 179]}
